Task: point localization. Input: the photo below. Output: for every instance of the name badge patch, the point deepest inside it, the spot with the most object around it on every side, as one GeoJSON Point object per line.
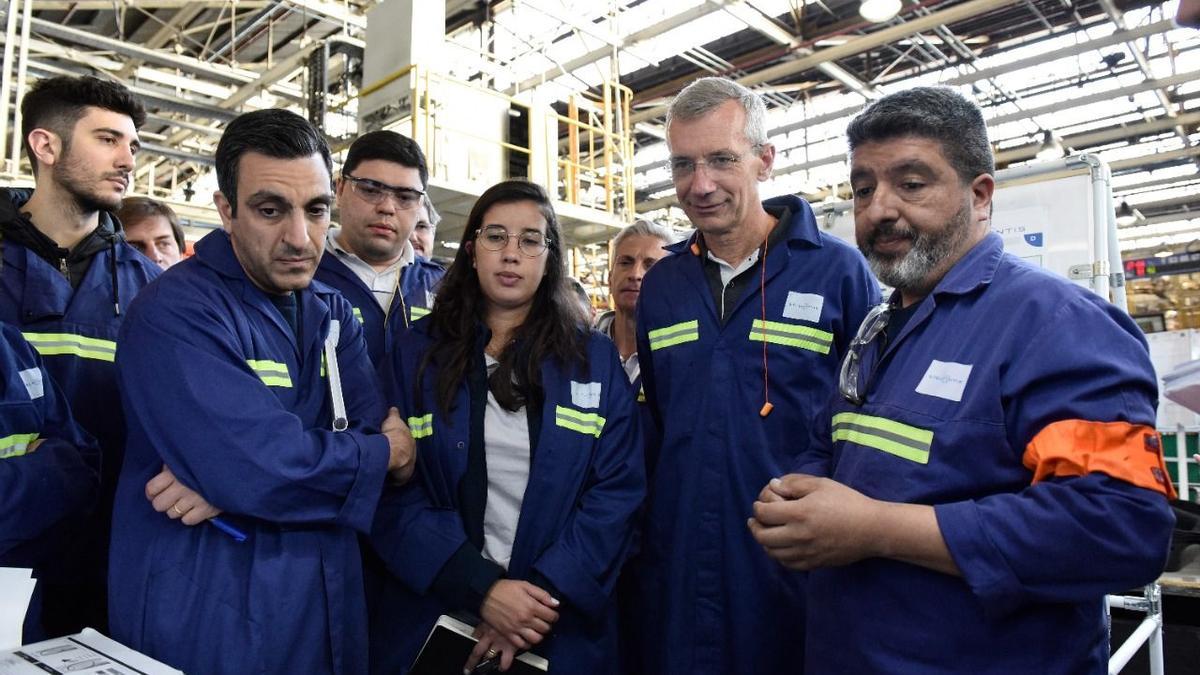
{"type": "Point", "coordinates": [945, 379]}
{"type": "Point", "coordinates": [585, 394]}
{"type": "Point", "coordinates": [804, 306]}
{"type": "Point", "coordinates": [33, 382]}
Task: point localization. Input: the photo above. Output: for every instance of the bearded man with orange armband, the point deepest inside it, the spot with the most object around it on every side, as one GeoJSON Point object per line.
{"type": "Point", "coordinates": [992, 461]}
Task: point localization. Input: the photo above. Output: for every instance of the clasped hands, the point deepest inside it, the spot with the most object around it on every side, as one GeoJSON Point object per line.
{"type": "Point", "coordinates": [516, 615]}
{"type": "Point", "coordinates": [805, 522]}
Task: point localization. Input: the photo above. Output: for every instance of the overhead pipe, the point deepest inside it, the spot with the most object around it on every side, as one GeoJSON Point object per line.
{"type": "Point", "coordinates": [854, 47]}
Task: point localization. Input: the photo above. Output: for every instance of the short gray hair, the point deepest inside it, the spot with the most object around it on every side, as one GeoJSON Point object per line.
{"type": "Point", "coordinates": [430, 212]}
{"type": "Point", "coordinates": [644, 228]}
{"type": "Point", "coordinates": [707, 93]}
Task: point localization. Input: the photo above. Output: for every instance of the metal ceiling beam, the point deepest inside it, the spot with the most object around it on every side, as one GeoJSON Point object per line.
{"type": "Point", "coordinates": [631, 40]}
{"type": "Point", "coordinates": [336, 12]}
{"type": "Point", "coordinates": [101, 5]}
{"type": "Point", "coordinates": [857, 46]}
{"type": "Point", "coordinates": [1098, 97]}
{"type": "Point", "coordinates": [213, 71]}
{"type": "Point", "coordinates": [1119, 37]}
{"type": "Point", "coordinates": [166, 32]}
{"type": "Point", "coordinates": [1022, 153]}
{"type": "Point", "coordinates": [1092, 139]}
{"type": "Point", "coordinates": [1118, 18]}
{"type": "Point", "coordinates": [1156, 158]}
{"type": "Point", "coordinates": [754, 20]}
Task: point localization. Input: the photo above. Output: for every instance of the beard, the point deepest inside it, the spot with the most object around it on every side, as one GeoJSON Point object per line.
{"type": "Point", "coordinates": [912, 271]}
{"type": "Point", "coordinates": [79, 182]}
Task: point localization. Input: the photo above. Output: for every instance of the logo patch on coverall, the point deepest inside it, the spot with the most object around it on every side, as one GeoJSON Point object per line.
{"type": "Point", "coordinates": [945, 379]}
{"type": "Point", "coordinates": [585, 394]}
{"type": "Point", "coordinates": [32, 378]}
{"type": "Point", "coordinates": [804, 306]}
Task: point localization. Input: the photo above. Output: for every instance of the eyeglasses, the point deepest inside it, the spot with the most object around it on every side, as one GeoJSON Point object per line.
{"type": "Point", "coordinates": [717, 163]}
{"type": "Point", "coordinates": [850, 385]}
{"type": "Point", "coordinates": [374, 192]}
{"type": "Point", "coordinates": [495, 238]}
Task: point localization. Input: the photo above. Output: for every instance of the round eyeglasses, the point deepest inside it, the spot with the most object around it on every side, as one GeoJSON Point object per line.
{"type": "Point", "coordinates": [495, 238]}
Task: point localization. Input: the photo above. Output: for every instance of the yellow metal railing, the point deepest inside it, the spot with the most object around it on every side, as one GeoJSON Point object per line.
{"type": "Point", "coordinates": [583, 157]}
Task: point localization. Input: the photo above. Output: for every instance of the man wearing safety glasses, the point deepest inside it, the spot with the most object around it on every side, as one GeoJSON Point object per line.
{"type": "Point", "coordinates": [368, 258]}
{"type": "Point", "coordinates": [993, 464]}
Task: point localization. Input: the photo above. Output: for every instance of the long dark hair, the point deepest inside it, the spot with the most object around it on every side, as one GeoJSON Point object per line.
{"type": "Point", "coordinates": [555, 327]}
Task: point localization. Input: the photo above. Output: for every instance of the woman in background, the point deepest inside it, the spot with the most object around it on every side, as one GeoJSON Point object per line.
{"type": "Point", "coordinates": [530, 468]}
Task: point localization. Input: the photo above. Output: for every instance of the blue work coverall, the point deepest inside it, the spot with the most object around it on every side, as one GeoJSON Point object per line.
{"type": "Point", "coordinates": [44, 489]}
{"type": "Point", "coordinates": [74, 329]}
{"type": "Point", "coordinates": [1022, 407]}
{"type": "Point", "coordinates": [586, 483]}
{"type": "Point", "coordinates": [219, 389]}
{"type": "Point", "coordinates": [418, 282]}
{"type": "Point", "coordinates": [710, 600]}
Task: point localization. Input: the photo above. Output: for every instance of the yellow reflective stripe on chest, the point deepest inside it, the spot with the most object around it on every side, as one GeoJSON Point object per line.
{"type": "Point", "coordinates": [901, 440]}
{"type": "Point", "coordinates": [792, 335]}
{"type": "Point", "coordinates": [16, 445]}
{"type": "Point", "coordinates": [675, 334]}
{"type": "Point", "coordinates": [272, 373]}
{"type": "Point", "coordinates": [577, 420]}
{"type": "Point", "coordinates": [60, 344]}
{"type": "Point", "coordinates": [422, 426]}
{"type": "Point", "coordinates": [418, 312]}
{"type": "Point", "coordinates": [357, 313]}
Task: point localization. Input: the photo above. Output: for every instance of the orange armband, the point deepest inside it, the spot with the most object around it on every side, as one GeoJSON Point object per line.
{"type": "Point", "coordinates": [1128, 452]}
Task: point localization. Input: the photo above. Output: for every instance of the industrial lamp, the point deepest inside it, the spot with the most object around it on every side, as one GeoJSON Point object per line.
{"type": "Point", "coordinates": [878, 11]}
{"type": "Point", "coordinates": [1051, 147]}
{"type": "Point", "coordinates": [1128, 216]}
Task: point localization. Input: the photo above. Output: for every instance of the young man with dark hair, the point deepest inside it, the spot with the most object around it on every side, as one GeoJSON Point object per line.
{"type": "Point", "coordinates": [380, 197]}
{"type": "Point", "coordinates": [153, 228]}
{"type": "Point", "coordinates": [66, 280]}
{"type": "Point", "coordinates": [270, 417]}
{"type": "Point", "coordinates": [991, 467]}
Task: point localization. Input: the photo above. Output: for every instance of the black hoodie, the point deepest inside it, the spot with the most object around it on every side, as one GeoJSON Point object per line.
{"type": "Point", "coordinates": [15, 226]}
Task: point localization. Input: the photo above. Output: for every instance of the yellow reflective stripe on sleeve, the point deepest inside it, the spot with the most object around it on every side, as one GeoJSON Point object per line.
{"type": "Point", "coordinates": [669, 336]}
{"type": "Point", "coordinates": [418, 312]}
{"type": "Point", "coordinates": [792, 335]}
{"type": "Point", "coordinates": [421, 427]}
{"type": "Point", "coordinates": [901, 440]}
{"type": "Point", "coordinates": [357, 313]}
{"type": "Point", "coordinates": [272, 373]}
{"type": "Point", "coordinates": [67, 344]}
{"type": "Point", "coordinates": [16, 445]}
{"type": "Point", "coordinates": [577, 420]}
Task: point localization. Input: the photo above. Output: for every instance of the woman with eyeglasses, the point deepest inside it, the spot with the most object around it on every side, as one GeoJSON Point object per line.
{"type": "Point", "coordinates": [530, 466]}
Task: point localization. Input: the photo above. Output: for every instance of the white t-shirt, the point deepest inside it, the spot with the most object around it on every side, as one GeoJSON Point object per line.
{"type": "Point", "coordinates": [506, 447]}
